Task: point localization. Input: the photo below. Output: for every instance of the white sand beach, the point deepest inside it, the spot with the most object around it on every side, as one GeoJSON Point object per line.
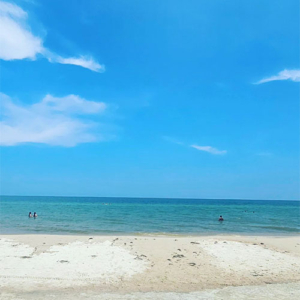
{"type": "Point", "coordinates": [149, 267]}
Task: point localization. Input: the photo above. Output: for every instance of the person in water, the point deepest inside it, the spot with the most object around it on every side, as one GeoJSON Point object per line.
{"type": "Point", "coordinates": [221, 218]}
{"type": "Point", "coordinates": [35, 215]}
{"type": "Point", "coordinates": [30, 215]}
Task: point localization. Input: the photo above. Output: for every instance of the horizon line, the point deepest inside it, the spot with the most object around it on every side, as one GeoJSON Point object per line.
{"type": "Point", "coordinates": [154, 198]}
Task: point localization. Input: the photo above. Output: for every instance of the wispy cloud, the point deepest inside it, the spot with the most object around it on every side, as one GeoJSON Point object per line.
{"type": "Point", "coordinates": [18, 42]}
{"type": "Point", "coordinates": [172, 140]}
{"type": "Point", "coordinates": [83, 61]}
{"type": "Point", "coordinates": [209, 149]}
{"type": "Point", "coordinates": [293, 75]}
{"type": "Point", "coordinates": [60, 121]}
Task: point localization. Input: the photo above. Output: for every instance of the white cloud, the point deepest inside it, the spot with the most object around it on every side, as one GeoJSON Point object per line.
{"type": "Point", "coordinates": [71, 104]}
{"type": "Point", "coordinates": [83, 61]}
{"type": "Point", "coordinates": [209, 149]}
{"type": "Point", "coordinates": [53, 121]}
{"type": "Point", "coordinates": [12, 9]}
{"type": "Point", "coordinates": [293, 75]}
{"type": "Point", "coordinates": [18, 42]}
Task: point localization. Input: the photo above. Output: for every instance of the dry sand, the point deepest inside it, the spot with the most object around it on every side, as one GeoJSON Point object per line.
{"type": "Point", "coordinates": [149, 267]}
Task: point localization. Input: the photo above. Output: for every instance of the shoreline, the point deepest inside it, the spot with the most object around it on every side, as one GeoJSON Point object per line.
{"type": "Point", "coordinates": [293, 244]}
{"type": "Point", "coordinates": [141, 265]}
{"type": "Point", "coordinates": [153, 234]}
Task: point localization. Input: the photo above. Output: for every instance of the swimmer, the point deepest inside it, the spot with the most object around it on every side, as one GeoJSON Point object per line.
{"type": "Point", "coordinates": [35, 215]}
{"type": "Point", "coordinates": [30, 215]}
{"type": "Point", "coordinates": [221, 218]}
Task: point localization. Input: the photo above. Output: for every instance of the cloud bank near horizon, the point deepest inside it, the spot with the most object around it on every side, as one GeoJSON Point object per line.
{"type": "Point", "coordinates": [18, 42]}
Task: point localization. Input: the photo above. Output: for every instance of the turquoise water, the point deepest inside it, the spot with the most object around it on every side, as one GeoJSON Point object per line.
{"type": "Point", "coordinates": [84, 215]}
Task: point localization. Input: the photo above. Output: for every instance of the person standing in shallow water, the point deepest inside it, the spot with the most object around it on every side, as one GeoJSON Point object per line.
{"type": "Point", "coordinates": [34, 214]}
{"type": "Point", "coordinates": [221, 218]}
{"type": "Point", "coordinates": [30, 215]}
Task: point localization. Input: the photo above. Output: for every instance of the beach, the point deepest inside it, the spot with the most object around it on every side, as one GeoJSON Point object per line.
{"type": "Point", "coordinates": [149, 267]}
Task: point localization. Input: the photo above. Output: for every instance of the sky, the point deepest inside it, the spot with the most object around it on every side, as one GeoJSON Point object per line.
{"type": "Point", "coordinates": [185, 99]}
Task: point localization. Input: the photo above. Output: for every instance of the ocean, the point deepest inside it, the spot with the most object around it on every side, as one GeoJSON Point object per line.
{"type": "Point", "coordinates": [134, 216]}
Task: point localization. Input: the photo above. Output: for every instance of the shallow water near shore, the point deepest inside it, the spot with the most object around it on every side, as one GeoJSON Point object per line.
{"type": "Point", "coordinates": [120, 216]}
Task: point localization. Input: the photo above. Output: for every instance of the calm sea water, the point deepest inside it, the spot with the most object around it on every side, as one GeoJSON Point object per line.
{"type": "Point", "coordinates": [84, 215]}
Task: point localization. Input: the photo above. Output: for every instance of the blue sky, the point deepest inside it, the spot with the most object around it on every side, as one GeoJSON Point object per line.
{"type": "Point", "coordinates": [196, 99]}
